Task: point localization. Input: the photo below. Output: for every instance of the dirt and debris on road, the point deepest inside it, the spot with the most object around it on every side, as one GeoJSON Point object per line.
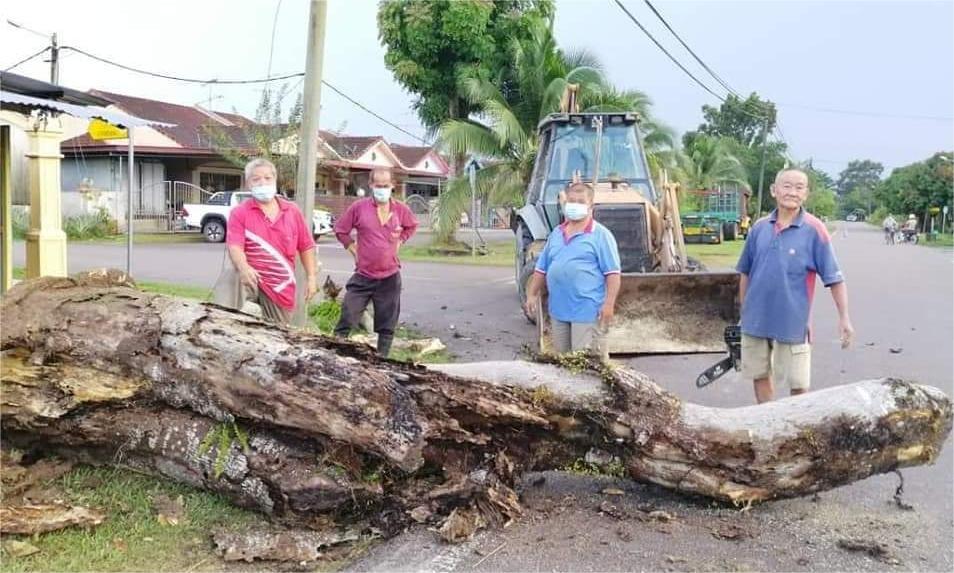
{"type": "Point", "coordinates": [569, 516]}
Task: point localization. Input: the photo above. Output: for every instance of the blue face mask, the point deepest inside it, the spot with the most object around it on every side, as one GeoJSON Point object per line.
{"type": "Point", "coordinates": [381, 194]}
{"type": "Point", "coordinates": [263, 193]}
{"type": "Point", "coordinates": [576, 211]}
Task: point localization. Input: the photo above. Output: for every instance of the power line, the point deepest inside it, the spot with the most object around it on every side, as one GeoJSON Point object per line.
{"type": "Point", "coordinates": [867, 113]}
{"type": "Point", "coordinates": [27, 59]}
{"type": "Point", "coordinates": [181, 79]}
{"type": "Point", "coordinates": [360, 105]}
{"type": "Point", "coordinates": [688, 49]}
{"type": "Point", "coordinates": [243, 82]}
{"type": "Point", "coordinates": [729, 88]}
{"type": "Point", "coordinates": [671, 57]}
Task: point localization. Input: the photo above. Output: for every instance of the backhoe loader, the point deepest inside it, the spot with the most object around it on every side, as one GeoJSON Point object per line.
{"type": "Point", "coordinates": [666, 304]}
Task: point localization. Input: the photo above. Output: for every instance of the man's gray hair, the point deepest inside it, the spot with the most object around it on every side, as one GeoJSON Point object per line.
{"type": "Point", "coordinates": [795, 169]}
{"type": "Point", "coordinates": [259, 162]}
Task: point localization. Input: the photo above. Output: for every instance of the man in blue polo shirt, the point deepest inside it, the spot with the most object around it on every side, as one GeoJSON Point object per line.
{"type": "Point", "coordinates": [581, 268]}
{"type": "Point", "coordinates": [783, 254]}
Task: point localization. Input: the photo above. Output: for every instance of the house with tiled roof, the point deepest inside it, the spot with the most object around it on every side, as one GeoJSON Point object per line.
{"type": "Point", "coordinates": [185, 162]}
{"type": "Point", "coordinates": [176, 164]}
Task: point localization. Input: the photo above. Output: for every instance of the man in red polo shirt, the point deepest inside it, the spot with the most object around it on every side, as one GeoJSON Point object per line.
{"type": "Point", "coordinates": [382, 225]}
{"type": "Point", "coordinates": [264, 234]}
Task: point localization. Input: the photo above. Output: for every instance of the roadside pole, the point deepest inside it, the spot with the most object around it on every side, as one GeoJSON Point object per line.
{"type": "Point", "coordinates": [129, 198]}
{"type": "Point", "coordinates": [472, 167]}
{"type": "Point", "coordinates": [308, 141]}
{"type": "Point", "coordinates": [758, 210]}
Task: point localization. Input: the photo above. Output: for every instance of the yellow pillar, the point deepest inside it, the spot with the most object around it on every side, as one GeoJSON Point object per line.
{"type": "Point", "coordinates": [45, 241]}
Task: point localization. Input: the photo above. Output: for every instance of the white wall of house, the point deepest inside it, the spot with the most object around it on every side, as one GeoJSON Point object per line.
{"type": "Point", "coordinates": [430, 163]}
{"type": "Point", "coordinates": [97, 183]}
{"type": "Point", "coordinates": [378, 154]}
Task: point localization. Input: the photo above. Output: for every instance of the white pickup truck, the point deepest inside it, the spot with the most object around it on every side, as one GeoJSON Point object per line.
{"type": "Point", "coordinates": [212, 216]}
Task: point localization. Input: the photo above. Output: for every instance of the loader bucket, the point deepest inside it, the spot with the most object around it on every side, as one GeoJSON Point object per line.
{"type": "Point", "coordinates": [671, 313]}
{"type": "Point", "coordinates": [674, 312]}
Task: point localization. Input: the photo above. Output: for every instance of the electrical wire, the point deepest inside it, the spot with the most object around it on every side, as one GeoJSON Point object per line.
{"type": "Point", "coordinates": [178, 78]}
{"type": "Point", "coordinates": [27, 59]}
{"type": "Point", "coordinates": [836, 111]}
{"type": "Point", "coordinates": [241, 82]}
{"type": "Point", "coordinates": [665, 51]}
{"type": "Point", "coordinates": [688, 49]}
{"type": "Point", "coordinates": [867, 113]}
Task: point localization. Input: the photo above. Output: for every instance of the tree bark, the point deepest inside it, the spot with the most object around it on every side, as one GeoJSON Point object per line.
{"type": "Point", "coordinates": [295, 424]}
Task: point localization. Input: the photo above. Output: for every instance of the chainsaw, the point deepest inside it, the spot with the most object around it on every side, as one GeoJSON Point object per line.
{"type": "Point", "coordinates": [733, 340]}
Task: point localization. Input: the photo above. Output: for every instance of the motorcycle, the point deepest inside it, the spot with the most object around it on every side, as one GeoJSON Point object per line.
{"type": "Point", "coordinates": [906, 236]}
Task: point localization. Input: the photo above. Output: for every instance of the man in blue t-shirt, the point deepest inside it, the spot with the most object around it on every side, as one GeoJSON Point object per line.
{"type": "Point", "coordinates": [581, 268]}
{"type": "Point", "coordinates": [783, 254]}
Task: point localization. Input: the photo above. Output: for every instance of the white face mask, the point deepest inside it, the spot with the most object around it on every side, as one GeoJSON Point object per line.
{"type": "Point", "coordinates": [264, 193]}
{"type": "Point", "coordinates": [576, 211]}
{"type": "Point", "coordinates": [381, 194]}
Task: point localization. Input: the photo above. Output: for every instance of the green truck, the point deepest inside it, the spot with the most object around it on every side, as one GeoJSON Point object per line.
{"type": "Point", "coordinates": [722, 214]}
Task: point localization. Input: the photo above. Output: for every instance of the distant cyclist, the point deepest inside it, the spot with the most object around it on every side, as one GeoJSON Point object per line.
{"type": "Point", "coordinates": [890, 227]}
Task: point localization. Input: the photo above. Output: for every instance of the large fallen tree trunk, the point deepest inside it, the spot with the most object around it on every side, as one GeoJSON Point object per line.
{"type": "Point", "coordinates": [294, 424]}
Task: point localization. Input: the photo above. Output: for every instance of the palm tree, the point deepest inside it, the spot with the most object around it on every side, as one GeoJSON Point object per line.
{"type": "Point", "coordinates": [504, 136]}
{"type": "Point", "coordinates": [708, 162]}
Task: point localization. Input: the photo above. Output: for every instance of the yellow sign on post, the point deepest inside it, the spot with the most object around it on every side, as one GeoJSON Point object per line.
{"type": "Point", "coordinates": [101, 130]}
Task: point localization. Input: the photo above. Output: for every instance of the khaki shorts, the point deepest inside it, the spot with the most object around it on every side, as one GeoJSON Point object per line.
{"type": "Point", "coordinates": [784, 363]}
{"type": "Point", "coordinates": [573, 336]}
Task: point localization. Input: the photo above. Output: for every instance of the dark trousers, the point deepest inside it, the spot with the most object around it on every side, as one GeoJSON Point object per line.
{"type": "Point", "coordinates": [384, 294]}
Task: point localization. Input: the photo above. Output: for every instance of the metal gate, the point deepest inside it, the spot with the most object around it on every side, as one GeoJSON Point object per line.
{"type": "Point", "coordinates": [161, 203]}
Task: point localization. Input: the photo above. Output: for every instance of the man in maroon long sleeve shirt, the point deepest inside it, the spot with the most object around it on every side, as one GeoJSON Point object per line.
{"type": "Point", "coordinates": [382, 225]}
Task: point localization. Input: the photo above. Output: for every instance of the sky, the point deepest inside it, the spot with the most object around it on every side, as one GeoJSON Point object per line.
{"type": "Point", "coordinates": [876, 59]}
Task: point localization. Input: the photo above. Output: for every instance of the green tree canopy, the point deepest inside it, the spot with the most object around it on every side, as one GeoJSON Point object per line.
{"type": "Point", "coordinates": [262, 137]}
{"type": "Point", "coordinates": [707, 163]}
{"type": "Point", "coordinates": [822, 200]}
{"type": "Point", "coordinates": [503, 129]}
{"type": "Point", "coordinates": [862, 174]}
{"type": "Point", "coordinates": [741, 120]}
{"type": "Point", "coordinates": [916, 187]}
{"type": "Point", "coordinates": [432, 43]}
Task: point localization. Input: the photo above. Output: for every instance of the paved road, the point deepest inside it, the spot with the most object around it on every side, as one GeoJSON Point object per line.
{"type": "Point", "coordinates": [901, 298]}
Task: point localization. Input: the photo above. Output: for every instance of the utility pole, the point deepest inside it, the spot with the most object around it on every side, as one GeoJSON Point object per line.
{"type": "Point", "coordinates": [758, 212]}
{"type": "Point", "coordinates": [54, 60]}
{"type": "Point", "coordinates": [308, 140]}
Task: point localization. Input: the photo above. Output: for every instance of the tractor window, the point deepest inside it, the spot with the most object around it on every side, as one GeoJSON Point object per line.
{"type": "Point", "coordinates": [574, 149]}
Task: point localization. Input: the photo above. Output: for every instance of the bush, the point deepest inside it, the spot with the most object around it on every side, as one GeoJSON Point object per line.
{"type": "Point", "coordinates": [879, 215]}
{"type": "Point", "coordinates": [20, 221]}
{"type": "Point", "coordinates": [91, 226]}
{"type": "Point", "coordinates": [325, 315]}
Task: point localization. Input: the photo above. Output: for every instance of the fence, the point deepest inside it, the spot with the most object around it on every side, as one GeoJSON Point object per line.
{"type": "Point", "coordinates": [158, 207]}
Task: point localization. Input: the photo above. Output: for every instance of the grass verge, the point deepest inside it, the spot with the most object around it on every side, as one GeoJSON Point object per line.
{"type": "Point", "coordinates": [498, 254]}
{"type": "Point", "coordinates": [721, 256]}
{"type": "Point", "coordinates": [148, 239]}
{"type": "Point", "coordinates": [945, 240]}
{"type": "Point", "coordinates": [131, 538]}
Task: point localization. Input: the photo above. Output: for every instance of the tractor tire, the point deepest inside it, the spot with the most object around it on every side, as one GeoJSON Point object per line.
{"type": "Point", "coordinates": [719, 237]}
{"type": "Point", "coordinates": [524, 265]}
{"type": "Point", "coordinates": [731, 231]}
{"type": "Point", "coordinates": [523, 283]}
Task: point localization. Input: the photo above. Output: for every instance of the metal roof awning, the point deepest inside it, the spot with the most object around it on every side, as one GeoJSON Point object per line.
{"type": "Point", "coordinates": [25, 104]}
{"type": "Point", "coordinates": [24, 85]}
